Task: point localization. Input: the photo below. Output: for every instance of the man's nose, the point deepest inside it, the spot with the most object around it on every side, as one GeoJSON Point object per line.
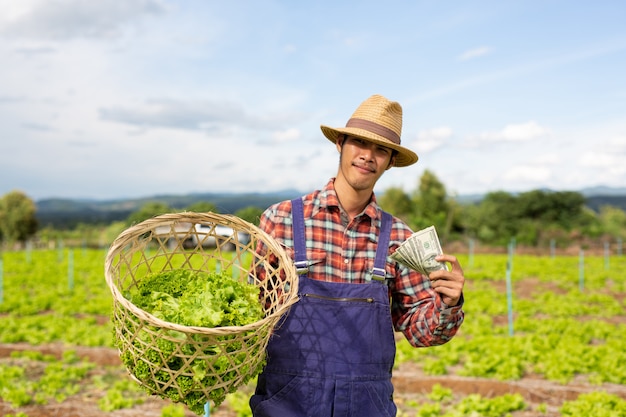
{"type": "Point", "coordinates": [367, 151]}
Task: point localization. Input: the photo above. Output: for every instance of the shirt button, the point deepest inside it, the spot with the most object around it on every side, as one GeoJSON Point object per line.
{"type": "Point", "coordinates": [346, 261]}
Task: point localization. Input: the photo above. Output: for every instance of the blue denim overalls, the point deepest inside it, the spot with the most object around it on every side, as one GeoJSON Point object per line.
{"type": "Point", "coordinates": [333, 353]}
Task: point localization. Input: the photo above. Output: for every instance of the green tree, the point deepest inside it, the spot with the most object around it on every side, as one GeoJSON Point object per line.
{"type": "Point", "coordinates": [18, 220]}
{"type": "Point", "coordinates": [469, 216]}
{"type": "Point", "coordinates": [147, 211]}
{"type": "Point", "coordinates": [432, 205]}
{"type": "Point", "coordinates": [541, 213]}
{"type": "Point", "coordinates": [532, 218]}
{"type": "Point", "coordinates": [613, 221]}
{"type": "Point", "coordinates": [496, 220]}
{"type": "Point", "coordinates": [111, 232]}
{"type": "Point", "coordinates": [563, 208]}
{"type": "Point", "coordinates": [203, 207]}
{"type": "Point", "coordinates": [250, 214]}
{"type": "Point", "coordinates": [589, 224]}
{"type": "Point", "coordinates": [397, 202]}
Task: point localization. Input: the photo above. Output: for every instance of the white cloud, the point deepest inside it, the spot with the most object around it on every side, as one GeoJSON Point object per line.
{"type": "Point", "coordinates": [607, 156]}
{"type": "Point", "coordinates": [475, 53]}
{"type": "Point", "coordinates": [428, 140]}
{"type": "Point", "coordinates": [286, 135]}
{"type": "Point", "coordinates": [147, 84]}
{"type": "Point", "coordinates": [598, 159]}
{"type": "Point", "coordinates": [178, 114]}
{"type": "Point", "coordinates": [547, 159]}
{"type": "Point", "coordinates": [68, 19]}
{"type": "Point", "coordinates": [617, 144]}
{"type": "Point", "coordinates": [514, 133]}
{"type": "Point", "coordinates": [443, 132]}
{"type": "Point", "coordinates": [528, 173]}
{"type": "Point", "coordinates": [205, 115]}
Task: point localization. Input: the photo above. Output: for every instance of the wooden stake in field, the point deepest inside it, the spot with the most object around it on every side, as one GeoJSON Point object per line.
{"type": "Point", "coordinates": [29, 251]}
{"type": "Point", "coordinates": [60, 249]}
{"type": "Point", "coordinates": [70, 270]}
{"type": "Point", "coordinates": [509, 286]}
{"type": "Point", "coordinates": [581, 270]}
{"type": "Point", "coordinates": [1, 282]}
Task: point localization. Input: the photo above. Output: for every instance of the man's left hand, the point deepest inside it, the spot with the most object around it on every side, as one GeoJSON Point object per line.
{"type": "Point", "coordinates": [448, 284]}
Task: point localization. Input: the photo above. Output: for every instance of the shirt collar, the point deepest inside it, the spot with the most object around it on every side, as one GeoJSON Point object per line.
{"type": "Point", "coordinates": [328, 198]}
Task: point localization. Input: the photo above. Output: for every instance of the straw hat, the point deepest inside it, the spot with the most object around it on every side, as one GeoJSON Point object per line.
{"type": "Point", "coordinates": [376, 120]}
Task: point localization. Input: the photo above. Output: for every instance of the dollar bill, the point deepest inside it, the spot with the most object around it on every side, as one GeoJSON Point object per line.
{"type": "Point", "coordinates": [418, 252]}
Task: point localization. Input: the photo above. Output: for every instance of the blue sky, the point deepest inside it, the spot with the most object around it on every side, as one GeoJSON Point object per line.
{"type": "Point", "coordinates": [131, 98]}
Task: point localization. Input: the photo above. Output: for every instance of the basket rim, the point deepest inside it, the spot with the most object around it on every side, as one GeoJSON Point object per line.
{"type": "Point", "coordinates": [133, 232]}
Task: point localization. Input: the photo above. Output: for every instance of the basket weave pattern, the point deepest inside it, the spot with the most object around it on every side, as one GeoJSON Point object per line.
{"type": "Point", "coordinates": [200, 242]}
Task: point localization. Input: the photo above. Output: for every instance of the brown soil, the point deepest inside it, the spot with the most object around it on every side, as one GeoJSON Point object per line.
{"type": "Point", "coordinates": [410, 385]}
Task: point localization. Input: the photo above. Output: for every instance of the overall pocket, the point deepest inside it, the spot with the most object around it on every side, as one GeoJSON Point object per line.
{"type": "Point", "coordinates": [280, 395]}
{"type": "Point", "coordinates": [374, 398]}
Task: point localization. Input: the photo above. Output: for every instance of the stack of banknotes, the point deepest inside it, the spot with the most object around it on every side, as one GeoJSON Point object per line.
{"type": "Point", "coordinates": [418, 252]}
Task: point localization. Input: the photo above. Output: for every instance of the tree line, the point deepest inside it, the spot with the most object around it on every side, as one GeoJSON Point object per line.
{"type": "Point", "coordinates": [535, 218]}
{"type": "Point", "coordinates": [19, 225]}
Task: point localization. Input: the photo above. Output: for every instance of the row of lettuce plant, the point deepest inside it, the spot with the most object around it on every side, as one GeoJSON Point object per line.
{"type": "Point", "coordinates": [561, 331]}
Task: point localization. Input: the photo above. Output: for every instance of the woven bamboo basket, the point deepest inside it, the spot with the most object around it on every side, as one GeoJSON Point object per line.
{"type": "Point", "coordinates": [200, 242]}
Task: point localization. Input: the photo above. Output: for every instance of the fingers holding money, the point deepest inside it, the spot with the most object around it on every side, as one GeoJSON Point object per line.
{"type": "Point", "coordinates": [422, 252]}
{"type": "Point", "coordinates": [419, 251]}
{"type": "Point", "coordinates": [452, 260]}
{"type": "Point", "coordinates": [448, 284]}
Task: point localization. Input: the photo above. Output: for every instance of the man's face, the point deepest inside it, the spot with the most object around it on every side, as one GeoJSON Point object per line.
{"type": "Point", "coordinates": [362, 162]}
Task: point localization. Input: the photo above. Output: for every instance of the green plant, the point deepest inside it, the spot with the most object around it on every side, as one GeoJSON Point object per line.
{"type": "Point", "coordinates": [124, 394]}
{"type": "Point", "coordinates": [477, 405]}
{"type": "Point", "coordinates": [173, 410]}
{"type": "Point", "coordinates": [200, 299]}
{"type": "Point", "coordinates": [238, 402]}
{"type": "Point", "coordinates": [193, 298]}
{"type": "Point", "coordinates": [440, 393]}
{"type": "Point", "coordinates": [596, 404]}
{"type": "Point", "coordinates": [58, 380]}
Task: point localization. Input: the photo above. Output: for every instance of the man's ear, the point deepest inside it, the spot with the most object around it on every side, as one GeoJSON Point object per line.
{"type": "Point", "coordinates": [339, 142]}
{"type": "Point", "coordinates": [392, 161]}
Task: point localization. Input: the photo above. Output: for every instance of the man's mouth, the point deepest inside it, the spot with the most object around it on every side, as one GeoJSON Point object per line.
{"type": "Point", "coordinates": [364, 167]}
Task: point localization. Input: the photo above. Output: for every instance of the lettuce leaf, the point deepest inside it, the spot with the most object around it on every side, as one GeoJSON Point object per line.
{"type": "Point", "coordinates": [193, 298]}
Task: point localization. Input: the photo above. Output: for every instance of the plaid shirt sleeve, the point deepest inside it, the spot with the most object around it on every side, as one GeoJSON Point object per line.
{"type": "Point", "coordinates": [416, 309]}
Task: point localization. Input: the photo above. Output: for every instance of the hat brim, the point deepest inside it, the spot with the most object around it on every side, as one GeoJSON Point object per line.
{"type": "Point", "coordinates": [405, 157]}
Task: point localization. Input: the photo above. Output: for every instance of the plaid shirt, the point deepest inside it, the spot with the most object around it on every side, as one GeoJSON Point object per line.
{"type": "Point", "coordinates": [344, 252]}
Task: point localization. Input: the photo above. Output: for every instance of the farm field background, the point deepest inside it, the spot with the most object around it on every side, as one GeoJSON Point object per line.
{"type": "Point", "coordinates": [544, 337]}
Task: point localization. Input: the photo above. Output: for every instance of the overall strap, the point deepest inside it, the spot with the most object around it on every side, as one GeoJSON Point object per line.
{"type": "Point", "coordinates": [299, 236]}
{"type": "Point", "coordinates": [299, 241]}
{"type": "Point", "coordinates": [378, 272]}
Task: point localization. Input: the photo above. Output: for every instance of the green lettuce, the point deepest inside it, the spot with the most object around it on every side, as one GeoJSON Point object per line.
{"type": "Point", "coordinates": [193, 298]}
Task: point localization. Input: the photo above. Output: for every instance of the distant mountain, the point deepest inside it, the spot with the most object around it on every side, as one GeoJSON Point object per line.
{"type": "Point", "coordinates": [596, 202]}
{"type": "Point", "coordinates": [600, 196]}
{"type": "Point", "coordinates": [603, 191]}
{"type": "Point", "coordinates": [67, 213]}
{"type": "Point", "coordinates": [596, 197]}
{"type": "Point", "coordinates": [64, 213]}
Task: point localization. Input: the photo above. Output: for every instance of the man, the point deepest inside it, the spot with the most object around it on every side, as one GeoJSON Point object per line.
{"type": "Point", "coordinates": [333, 353]}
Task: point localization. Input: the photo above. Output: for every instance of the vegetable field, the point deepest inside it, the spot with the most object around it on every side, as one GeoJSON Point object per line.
{"type": "Point", "coordinates": [543, 336]}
